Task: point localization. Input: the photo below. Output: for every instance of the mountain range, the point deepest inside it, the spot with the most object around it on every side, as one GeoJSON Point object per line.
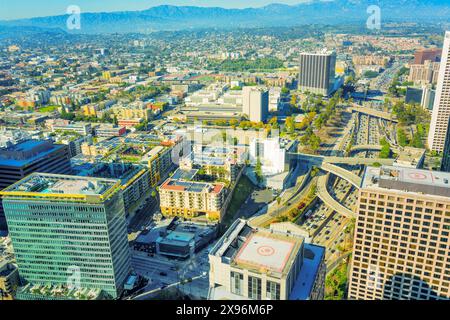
{"type": "Point", "coordinates": [173, 18]}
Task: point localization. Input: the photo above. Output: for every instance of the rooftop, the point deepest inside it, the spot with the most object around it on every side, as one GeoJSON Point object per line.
{"type": "Point", "coordinates": [26, 152]}
{"type": "Point", "coordinates": [408, 179]}
{"type": "Point", "coordinates": [263, 251]}
{"type": "Point", "coordinates": [191, 186]}
{"type": "Point", "coordinates": [260, 250]}
{"type": "Point", "coordinates": [41, 185]}
{"type": "Point", "coordinates": [58, 292]}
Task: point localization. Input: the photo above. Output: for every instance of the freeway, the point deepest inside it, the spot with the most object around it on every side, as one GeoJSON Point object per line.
{"type": "Point", "coordinates": [342, 173]}
{"type": "Point", "coordinates": [318, 160]}
{"type": "Point", "coordinates": [292, 203]}
{"type": "Point", "coordinates": [373, 113]}
{"type": "Point", "coordinates": [325, 196]}
{"type": "Point", "coordinates": [367, 147]}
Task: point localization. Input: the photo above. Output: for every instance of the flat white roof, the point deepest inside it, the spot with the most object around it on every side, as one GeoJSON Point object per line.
{"type": "Point", "coordinates": [265, 252]}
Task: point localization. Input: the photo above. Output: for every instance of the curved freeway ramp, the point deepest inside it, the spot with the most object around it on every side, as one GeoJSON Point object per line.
{"type": "Point", "coordinates": [324, 195]}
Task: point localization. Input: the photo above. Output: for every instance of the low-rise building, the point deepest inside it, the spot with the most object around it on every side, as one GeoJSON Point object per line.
{"type": "Point", "coordinates": [77, 127]}
{"type": "Point", "coordinates": [258, 264]}
{"type": "Point", "coordinates": [110, 130]}
{"type": "Point", "coordinates": [9, 280]}
{"type": "Point", "coordinates": [410, 157]}
{"type": "Point", "coordinates": [192, 199]}
{"type": "Point", "coordinates": [183, 239]}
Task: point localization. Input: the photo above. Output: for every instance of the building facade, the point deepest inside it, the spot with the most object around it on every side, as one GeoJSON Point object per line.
{"type": "Point", "coordinates": [401, 236]}
{"type": "Point", "coordinates": [255, 103]}
{"type": "Point", "coordinates": [446, 158]}
{"type": "Point", "coordinates": [424, 74]}
{"type": "Point", "coordinates": [69, 229]}
{"type": "Point", "coordinates": [317, 73]}
{"type": "Point", "coordinates": [433, 54]}
{"type": "Point", "coordinates": [19, 160]}
{"type": "Point", "coordinates": [441, 109]}
{"type": "Point", "coordinates": [192, 199]}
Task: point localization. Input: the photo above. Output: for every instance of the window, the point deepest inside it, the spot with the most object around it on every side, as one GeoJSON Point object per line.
{"type": "Point", "coordinates": [273, 290]}
{"type": "Point", "coordinates": [254, 288]}
{"type": "Point", "coordinates": [236, 283]}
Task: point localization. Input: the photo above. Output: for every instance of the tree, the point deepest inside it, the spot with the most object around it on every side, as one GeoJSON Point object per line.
{"type": "Point", "coordinates": [258, 170]}
{"type": "Point", "coordinates": [314, 142]}
{"type": "Point", "coordinates": [294, 101]}
{"type": "Point", "coordinates": [385, 149]}
{"type": "Point", "coordinates": [274, 122]}
{"type": "Point", "coordinates": [402, 138]}
{"type": "Point", "coordinates": [290, 125]}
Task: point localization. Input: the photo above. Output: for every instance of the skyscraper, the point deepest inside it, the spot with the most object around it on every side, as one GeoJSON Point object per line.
{"type": "Point", "coordinates": [69, 228]}
{"type": "Point", "coordinates": [255, 103]}
{"type": "Point", "coordinates": [402, 236]}
{"type": "Point", "coordinates": [317, 72]}
{"type": "Point", "coordinates": [23, 158]}
{"type": "Point", "coordinates": [441, 109]}
{"type": "Point", "coordinates": [446, 158]}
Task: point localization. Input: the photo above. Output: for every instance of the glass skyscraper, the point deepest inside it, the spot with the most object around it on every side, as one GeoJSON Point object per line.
{"type": "Point", "coordinates": [69, 230]}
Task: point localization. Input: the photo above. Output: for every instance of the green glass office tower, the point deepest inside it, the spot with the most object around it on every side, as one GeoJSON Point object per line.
{"type": "Point", "coordinates": [69, 230]}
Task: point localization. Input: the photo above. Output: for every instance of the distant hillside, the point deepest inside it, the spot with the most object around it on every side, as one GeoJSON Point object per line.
{"type": "Point", "coordinates": [189, 17]}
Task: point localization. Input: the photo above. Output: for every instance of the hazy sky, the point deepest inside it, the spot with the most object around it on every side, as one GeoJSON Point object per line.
{"type": "Point", "coordinates": [16, 9]}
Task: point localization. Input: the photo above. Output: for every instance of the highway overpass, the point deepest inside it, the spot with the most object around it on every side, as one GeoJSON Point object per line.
{"type": "Point", "coordinates": [367, 147]}
{"type": "Point", "coordinates": [352, 178]}
{"type": "Point", "coordinates": [318, 160]}
{"type": "Point", "coordinates": [329, 201]}
{"type": "Point", "coordinates": [373, 113]}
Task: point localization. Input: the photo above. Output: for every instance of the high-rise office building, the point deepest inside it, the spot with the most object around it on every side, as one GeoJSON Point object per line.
{"type": "Point", "coordinates": [402, 234]}
{"type": "Point", "coordinates": [441, 109]}
{"type": "Point", "coordinates": [23, 158]}
{"type": "Point", "coordinates": [446, 158]}
{"type": "Point", "coordinates": [317, 72]}
{"type": "Point", "coordinates": [69, 230]}
{"type": "Point", "coordinates": [255, 103]}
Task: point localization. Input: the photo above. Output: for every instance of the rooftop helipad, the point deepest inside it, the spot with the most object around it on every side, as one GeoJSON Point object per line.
{"type": "Point", "coordinates": [265, 252]}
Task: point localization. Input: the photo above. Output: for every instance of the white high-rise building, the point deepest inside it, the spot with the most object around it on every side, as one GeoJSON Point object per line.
{"type": "Point", "coordinates": [270, 153]}
{"type": "Point", "coordinates": [441, 109]}
{"type": "Point", "coordinates": [255, 103]}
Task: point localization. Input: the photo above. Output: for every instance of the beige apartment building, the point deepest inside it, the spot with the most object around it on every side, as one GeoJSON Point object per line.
{"type": "Point", "coordinates": [424, 74]}
{"type": "Point", "coordinates": [255, 103]}
{"type": "Point", "coordinates": [401, 244]}
{"type": "Point", "coordinates": [192, 199]}
{"type": "Point", "coordinates": [132, 112]}
{"type": "Point", "coordinates": [371, 60]}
